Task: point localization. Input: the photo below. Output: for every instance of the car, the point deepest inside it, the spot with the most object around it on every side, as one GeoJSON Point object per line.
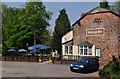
{"type": "Point", "coordinates": [85, 64]}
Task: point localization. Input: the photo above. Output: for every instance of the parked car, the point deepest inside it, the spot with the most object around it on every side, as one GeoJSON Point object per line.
{"type": "Point", "coordinates": [85, 64]}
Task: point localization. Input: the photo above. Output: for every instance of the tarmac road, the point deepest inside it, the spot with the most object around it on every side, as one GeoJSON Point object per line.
{"type": "Point", "coordinates": [30, 69]}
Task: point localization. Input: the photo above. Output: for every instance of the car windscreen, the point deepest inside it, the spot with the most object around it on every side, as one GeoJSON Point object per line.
{"type": "Point", "coordinates": [83, 60]}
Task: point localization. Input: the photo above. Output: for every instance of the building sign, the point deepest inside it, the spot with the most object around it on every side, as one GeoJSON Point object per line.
{"type": "Point", "coordinates": [98, 31]}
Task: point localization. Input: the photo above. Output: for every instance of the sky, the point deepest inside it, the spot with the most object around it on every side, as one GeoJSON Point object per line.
{"type": "Point", "coordinates": [73, 9]}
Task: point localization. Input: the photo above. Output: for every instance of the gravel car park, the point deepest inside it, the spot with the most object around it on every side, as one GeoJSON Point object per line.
{"type": "Point", "coordinates": [30, 69]}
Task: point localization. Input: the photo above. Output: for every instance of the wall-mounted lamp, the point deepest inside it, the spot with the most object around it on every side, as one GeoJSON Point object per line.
{"type": "Point", "coordinates": [79, 23]}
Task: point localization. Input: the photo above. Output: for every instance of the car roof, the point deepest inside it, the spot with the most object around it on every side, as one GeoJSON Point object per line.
{"type": "Point", "coordinates": [89, 57]}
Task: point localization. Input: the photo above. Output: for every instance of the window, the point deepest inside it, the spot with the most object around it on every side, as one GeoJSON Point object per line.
{"type": "Point", "coordinates": [68, 49]}
{"type": "Point", "coordinates": [90, 51]}
{"type": "Point", "coordinates": [85, 50]}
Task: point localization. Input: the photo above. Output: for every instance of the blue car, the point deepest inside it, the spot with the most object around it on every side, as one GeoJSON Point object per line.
{"type": "Point", "coordinates": [85, 64]}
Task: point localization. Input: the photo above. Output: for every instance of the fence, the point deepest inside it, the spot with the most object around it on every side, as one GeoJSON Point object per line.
{"type": "Point", "coordinates": [66, 59]}
{"type": "Point", "coordinates": [21, 58]}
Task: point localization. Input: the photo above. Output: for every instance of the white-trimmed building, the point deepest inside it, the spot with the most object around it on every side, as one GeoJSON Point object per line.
{"type": "Point", "coordinates": [96, 33]}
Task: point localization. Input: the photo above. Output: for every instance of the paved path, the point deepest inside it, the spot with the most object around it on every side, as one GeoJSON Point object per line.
{"type": "Point", "coordinates": [30, 69]}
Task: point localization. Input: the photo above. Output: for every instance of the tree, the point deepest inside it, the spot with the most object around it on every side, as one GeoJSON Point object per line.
{"type": "Point", "coordinates": [62, 25]}
{"type": "Point", "coordinates": [5, 11]}
{"type": "Point", "coordinates": [104, 4]}
{"type": "Point", "coordinates": [25, 26]}
{"type": "Point", "coordinates": [38, 25]}
{"type": "Point", "coordinates": [0, 28]}
{"type": "Point", "coordinates": [0, 23]}
{"type": "Point", "coordinates": [116, 7]}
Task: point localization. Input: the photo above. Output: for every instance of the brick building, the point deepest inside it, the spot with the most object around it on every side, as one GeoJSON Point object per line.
{"type": "Point", "coordinates": [96, 33]}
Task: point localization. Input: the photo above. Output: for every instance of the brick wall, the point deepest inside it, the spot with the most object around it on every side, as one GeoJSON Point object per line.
{"type": "Point", "coordinates": [107, 42]}
{"type": "Point", "coordinates": [119, 33]}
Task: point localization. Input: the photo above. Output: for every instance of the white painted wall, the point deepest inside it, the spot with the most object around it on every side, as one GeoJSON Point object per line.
{"type": "Point", "coordinates": [93, 50]}
{"type": "Point", "coordinates": [75, 50]}
{"type": "Point", "coordinates": [68, 36]}
{"type": "Point", "coordinates": [63, 49]}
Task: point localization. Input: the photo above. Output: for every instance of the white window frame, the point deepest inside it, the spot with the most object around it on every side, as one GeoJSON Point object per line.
{"type": "Point", "coordinates": [83, 49]}
{"type": "Point", "coordinates": [68, 50]}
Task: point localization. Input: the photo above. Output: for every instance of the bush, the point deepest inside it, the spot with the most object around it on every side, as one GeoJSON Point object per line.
{"type": "Point", "coordinates": [111, 70]}
{"type": "Point", "coordinates": [115, 76]}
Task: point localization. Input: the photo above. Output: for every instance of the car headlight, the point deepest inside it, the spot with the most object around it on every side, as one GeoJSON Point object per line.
{"type": "Point", "coordinates": [71, 64]}
{"type": "Point", "coordinates": [81, 66]}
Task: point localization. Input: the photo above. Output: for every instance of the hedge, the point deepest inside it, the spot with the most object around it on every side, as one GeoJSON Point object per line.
{"type": "Point", "coordinates": [111, 70]}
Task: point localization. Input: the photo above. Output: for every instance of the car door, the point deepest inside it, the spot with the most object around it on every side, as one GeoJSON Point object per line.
{"type": "Point", "coordinates": [95, 64]}
{"type": "Point", "coordinates": [91, 64]}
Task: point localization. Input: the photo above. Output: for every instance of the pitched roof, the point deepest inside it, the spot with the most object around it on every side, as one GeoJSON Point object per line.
{"type": "Point", "coordinates": [85, 43]}
{"type": "Point", "coordinates": [96, 10]}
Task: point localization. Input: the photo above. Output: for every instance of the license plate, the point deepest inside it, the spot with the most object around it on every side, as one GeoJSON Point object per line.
{"type": "Point", "coordinates": [75, 68]}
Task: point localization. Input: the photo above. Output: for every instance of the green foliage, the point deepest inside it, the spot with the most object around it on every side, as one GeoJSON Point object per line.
{"type": "Point", "coordinates": [0, 23]}
{"type": "Point", "coordinates": [116, 7]}
{"type": "Point", "coordinates": [41, 56]}
{"type": "Point", "coordinates": [25, 26]}
{"type": "Point", "coordinates": [111, 70]}
{"type": "Point", "coordinates": [104, 4]}
{"type": "Point", "coordinates": [62, 25]}
{"type": "Point", "coordinates": [0, 48]}
{"type": "Point", "coordinates": [50, 56]}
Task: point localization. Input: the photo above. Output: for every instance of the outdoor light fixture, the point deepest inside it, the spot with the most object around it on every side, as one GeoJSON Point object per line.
{"type": "Point", "coordinates": [71, 64]}
{"type": "Point", "coordinates": [79, 23]}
